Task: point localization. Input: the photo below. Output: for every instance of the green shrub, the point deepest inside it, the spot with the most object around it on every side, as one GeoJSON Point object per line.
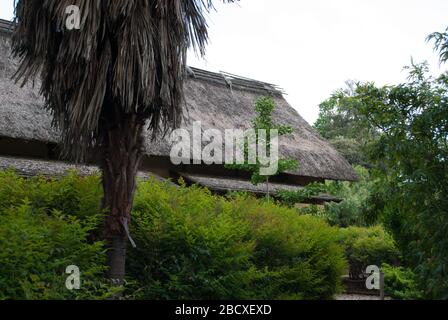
{"type": "Point", "coordinates": [367, 246]}
{"type": "Point", "coordinates": [37, 248]}
{"type": "Point", "coordinates": [343, 214]}
{"type": "Point", "coordinates": [305, 245]}
{"type": "Point", "coordinates": [356, 208]}
{"type": "Point", "coordinates": [191, 244]}
{"type": "Point", "coordinates": [401, 283]}
{"type": "Point", "coordinates": [72, 195]}
{"type": "Point", "coordinates": [45, 226]}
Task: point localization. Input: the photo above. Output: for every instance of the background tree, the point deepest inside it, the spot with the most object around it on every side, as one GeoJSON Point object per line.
{"type": "Point", "coordinates": [342, 124]}
{"type": "Point", "coordinates": [413, 153]}
{"type": "Point", "coordinates": [407, 152]}
{"type": "Point", "coordinates": [264, 108]}
{"type": "Point", "coordinates": [440, 44]}
{"type": "Point", "coordinates": [408, 173]}
{"type": "Point", "coordinates": [121, 71]}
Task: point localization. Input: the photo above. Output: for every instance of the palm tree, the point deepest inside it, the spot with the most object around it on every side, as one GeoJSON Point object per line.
{"type": "Point", "coordinates": [121, 71]}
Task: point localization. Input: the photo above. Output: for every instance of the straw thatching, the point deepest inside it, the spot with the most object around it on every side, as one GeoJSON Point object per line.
{"type": "Point", "coordinates": [222, 185]}
{"type": "Point", "coordinates": [55, 169]}
{"type": "Point", "coordinates": [220, 101]}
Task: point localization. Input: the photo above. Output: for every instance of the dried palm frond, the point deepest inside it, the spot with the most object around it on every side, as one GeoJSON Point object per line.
{"type": "Point", "coordinates": [127, 53]}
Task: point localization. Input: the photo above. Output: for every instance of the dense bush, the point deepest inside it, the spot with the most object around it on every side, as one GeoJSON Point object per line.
{"type": "Point", "coordinates": [356, 208]}
{"type": "Point", "coordinates": [38, 240]}
{"type": "Point", "coordinates": [401, 283]}
{"type": "Point", "coordinates": [79, 197]}
{"type": "Point", "coordinates": [367, 246]}
{"type": "Point", "coordinates": [190, 244]}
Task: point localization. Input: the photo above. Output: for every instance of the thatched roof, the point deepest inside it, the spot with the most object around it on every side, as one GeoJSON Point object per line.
{"type": "Point", "coordinates": [220, 101]}
{"type": "Point", "coordinates": [223, 184]}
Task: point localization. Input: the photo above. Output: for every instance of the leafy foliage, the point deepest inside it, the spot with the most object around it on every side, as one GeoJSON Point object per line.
{"type": "Point", "coordinates": [207, 247]}
{"type": "Point", "coordinates": [39, 240]}
{"type": "Point", "coordinates": [440, 44]}
{"type": "Point", "coordinates": [264, 108]}
{"type": "Point", "coordinates": [367, 246]}
{"type": "Point", "coordinates": [342, 123]}
{"type": "Point", "coordinates": [411, 158]}
{"type": "Point", "coordinates": [401, 283]}
{"type": "Point", "coordinates": [290, 198]}
{"type": "Point", "coordinates": [357, 207]}
{"type": "Point", "coordinates": [190, 244]}
{"type": "Point", "coordinates": [404, 133]}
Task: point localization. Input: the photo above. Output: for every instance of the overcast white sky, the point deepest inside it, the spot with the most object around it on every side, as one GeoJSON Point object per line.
{"type": "Point", "coordinates": [311, 47]}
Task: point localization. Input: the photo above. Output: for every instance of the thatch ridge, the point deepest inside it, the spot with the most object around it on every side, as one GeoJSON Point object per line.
{"type": "Point", "coordinates": [218, 100]}
{"type": "Point", "coordinates": [6, 27]}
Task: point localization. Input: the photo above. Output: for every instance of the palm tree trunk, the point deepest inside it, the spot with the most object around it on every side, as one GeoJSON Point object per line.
{"type": "Point", "coordinates": [122, 153]}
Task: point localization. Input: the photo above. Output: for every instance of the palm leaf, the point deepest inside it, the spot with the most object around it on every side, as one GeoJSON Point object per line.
{"type": "Point", "coordinates": [128, 54]}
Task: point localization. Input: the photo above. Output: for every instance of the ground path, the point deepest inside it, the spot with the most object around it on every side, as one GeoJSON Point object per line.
{"type": "Point", "coordinates": [357, 297]}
